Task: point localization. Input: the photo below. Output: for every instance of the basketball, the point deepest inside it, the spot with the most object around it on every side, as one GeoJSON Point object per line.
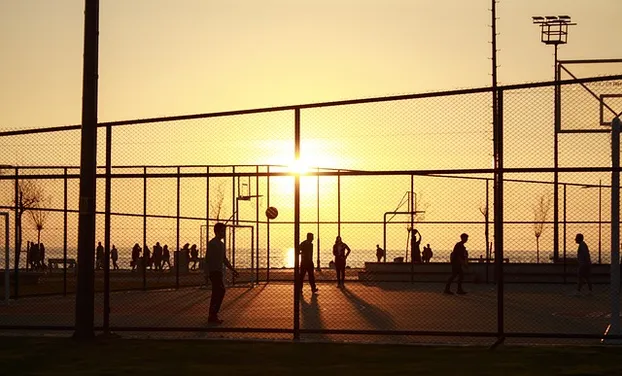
{"type": "Point", "coordinates": [271, 212]}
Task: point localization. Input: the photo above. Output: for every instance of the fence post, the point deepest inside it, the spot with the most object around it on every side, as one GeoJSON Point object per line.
{"type": "Point", "coordinates": [234, 204]}
{"type": "Point", "coordinates": [7, 259]}
{"type": "Point", "coordinates": [297, 282]}
{"type": "Point", "coordinates": [65, 233]}
{"type": "Point", "coordinates": [17, 236]}
{"type": "Point", "coordinates": [614, 288]}
{"type": "Point", "coordinates": [498, 217]}
{"type": "Point", "coordinates": [487, 231]}
{"type": "Point", "coordinates": [85, 288]}
{"type": "Point", "coordinates": [107, 199]}
{"type": "Point", "coordinates": [178, 253]}
{"type": "Point", "coordinates": [268, 226]}
{"type": "Point", "coordinates": [256, 224]}
{"type": "Point", "coordinates": [145, 260]}
{"type": "Point", "coordinates": [565, 259]}
{"type": "Point", "coordinates": [317, 199]}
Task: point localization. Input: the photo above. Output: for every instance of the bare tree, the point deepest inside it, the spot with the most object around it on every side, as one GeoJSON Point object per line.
{"type": "Point", "coordinates": [217, 203]}
{"type": "Point", "coordinates": [38, 215]}
{"type": "Point", "coordinates": [541, 213]}
{"type": "Point", "coordinates": [485, 210]}
{"type": "Point", "coordinates": [30, 193]}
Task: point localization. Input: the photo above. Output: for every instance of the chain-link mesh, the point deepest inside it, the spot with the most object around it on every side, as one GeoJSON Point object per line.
{"type": "Point", "coordinates": [398, 181]}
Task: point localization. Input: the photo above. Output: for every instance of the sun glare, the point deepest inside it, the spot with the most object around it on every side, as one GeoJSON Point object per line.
{"type": "Point", "coordinates": [288, 258]}
{"type": "Point", "coordinates": [299, 167]}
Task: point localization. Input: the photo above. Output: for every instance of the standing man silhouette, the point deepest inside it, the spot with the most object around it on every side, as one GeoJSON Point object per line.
{"type": "Point", "coordinates": [305, 250]}
{"type": "Point", "coordinates": [339, 251]}
{"type": "Point", "coordinates": [99, 256]}
{"type": "Point", "coordinates": [215, 258]}
{"type": "Point", "coordinates": [114, 256]}
{"type": "Point", "coordinates": [585, 264]}
{"type": "Point", "coordinates": [415, 247]}
{"type": "Point", "coordinates": [458, 263]}
{"type": "Point", "coordinates": [379, 253]}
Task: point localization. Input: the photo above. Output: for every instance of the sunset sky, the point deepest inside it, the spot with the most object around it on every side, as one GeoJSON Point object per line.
{"type": "Point", "coordinates": [164, 57]}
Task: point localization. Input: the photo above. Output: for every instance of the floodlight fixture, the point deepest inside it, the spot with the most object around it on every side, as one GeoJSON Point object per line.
{"type": "Point", "coordinates": [554, 29]}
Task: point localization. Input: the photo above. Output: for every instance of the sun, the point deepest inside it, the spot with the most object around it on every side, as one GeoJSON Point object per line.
{"type": "Point", "coordinates": [299, 166]}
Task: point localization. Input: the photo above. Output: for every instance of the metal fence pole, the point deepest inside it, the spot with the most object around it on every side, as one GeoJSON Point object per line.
{"type": "Point", "coordinates": [85, 289]}
{"type": "Point", "coordinates": [565, 236]}
{"type": "Point", "coordinates": [7, 256]}
{"type": "Point", "coordinates": [614, 328]}
{"type": "Point", "coordinates": [557, 128]}
{"type": "Point", "coordinates": [268, 226]}
{"type": "Point", "coordinates": [339, 203]}
{"type": "Point", "coordinates": [65, 193]}
{"type": "Point", "coordinates": [257, 224]}
{"type": "Point", "coordinates": [409, 245]}
{"type": "Point", "coordinates": [600, 220]}
{"type": "Point", "coordinates": [207, 210]}
{"type": "Point", "coordinates": [17, 236]}
{"type": "Point", "coordinates": [384, 236]}
{"type": "Point", "coordinates": [487, 230]}
{"type": "Point", "coordinates": [498, 217]}
{"type": "Point", "coordinates": [178, 252]}
{"type": "Point", "coordinates": [317, 198]}
{"type": "Point", "coordinates": [108, 193]}
{"type": "Point", "coordinates": [145, 260]}
{"type": "Point", "coordinates": [235, 222]}
{"type": "Point", "coordinates": [297, 282]}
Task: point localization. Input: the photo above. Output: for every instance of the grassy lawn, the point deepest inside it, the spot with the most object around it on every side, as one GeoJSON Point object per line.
{"type": "Point", "coordinates": [60, 356]}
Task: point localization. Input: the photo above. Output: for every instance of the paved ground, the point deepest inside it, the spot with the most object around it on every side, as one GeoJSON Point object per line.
{"type": "Point", "coordinates": [358, 306]}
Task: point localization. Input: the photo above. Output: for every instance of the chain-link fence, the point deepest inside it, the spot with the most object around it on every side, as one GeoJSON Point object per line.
{"type": "Point", "coordinates": [397, 179]}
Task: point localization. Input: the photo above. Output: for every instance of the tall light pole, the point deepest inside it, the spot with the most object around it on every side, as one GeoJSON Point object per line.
{"type": "Point", "coordinates": [554, 31]}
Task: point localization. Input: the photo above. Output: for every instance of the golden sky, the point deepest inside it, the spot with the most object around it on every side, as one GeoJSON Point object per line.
{"type": "Point", "coordinates": [164, 57]}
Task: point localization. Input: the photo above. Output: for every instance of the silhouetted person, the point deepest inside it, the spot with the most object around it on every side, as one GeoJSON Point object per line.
{"type": "Point", "coordinates": [426, 256]}
{"type": "Point", "coordinates": [99, 256]}
{"type": "Point", "coordinates": [185, 254]}
{"type": "Point", "coordinates": [114, 256]}
{"type": "Point", "coordinates": [415, 247]}
{"type": "Point", "coordinates": [458, 260]}
{"type": "Point", "coordinates": [157, 256]}
{"type": "Point", "coordinates": [30, 254]}
{"type": "Point", "coordinates": [379, 253]}
{"type": "Point", "coordinates": [146, 257]}
{"type": "Point", "coordinates": [585, 264]}
{"type": "Point", "coordinates": [166, 256]}
{"type": "Point", "coordinates": [215, 258]}
{"type": "Point", "coordinates": [42, 255]}
{"type": "Point", "coordinates": [36, 259]}
{"type": "Point", "coordinates": [135, 256]}
{"type": "Point", "coordinates": [305, 250]}
{"type": "Point", "coordinates": [194, 256]}
{"type": "Point", "coordinates": [339, 251]}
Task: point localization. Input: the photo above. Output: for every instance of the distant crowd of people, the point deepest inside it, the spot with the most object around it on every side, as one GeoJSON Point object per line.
{"type": "Point", "coordinates": [35, 253]}
{"type": "Point", "coordinates": [157, 259]}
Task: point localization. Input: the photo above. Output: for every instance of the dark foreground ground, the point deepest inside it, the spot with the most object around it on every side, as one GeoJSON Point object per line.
{"type": "Point", "coordinates": [64, 356]}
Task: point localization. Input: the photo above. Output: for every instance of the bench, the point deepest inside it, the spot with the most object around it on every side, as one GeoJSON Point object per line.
{"type": "Point", "coordinates": [57, 263]}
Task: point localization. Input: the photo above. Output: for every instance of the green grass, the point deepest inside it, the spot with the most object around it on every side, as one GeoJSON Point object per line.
{"type": "Point", "coordinates": [61, 356]}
